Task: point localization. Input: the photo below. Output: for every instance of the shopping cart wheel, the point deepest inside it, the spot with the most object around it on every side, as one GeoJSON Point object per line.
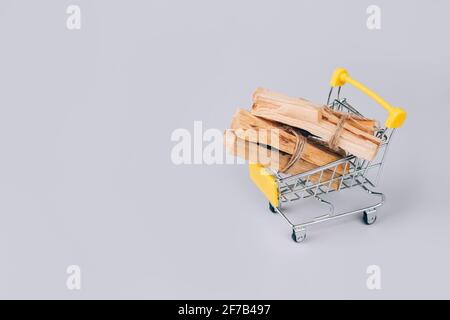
{"type": "Point", "coordinates": [299, 235]}
{"type": "Point", "coordinates": [272, 208]}
{"type": "Point", "coordinates": [369, 217]}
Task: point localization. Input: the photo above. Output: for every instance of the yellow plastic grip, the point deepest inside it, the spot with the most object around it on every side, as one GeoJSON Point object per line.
{"type": "Point", "coordinates": [396, 115]}
{"type": "Point", "coordinates": [265, 182]}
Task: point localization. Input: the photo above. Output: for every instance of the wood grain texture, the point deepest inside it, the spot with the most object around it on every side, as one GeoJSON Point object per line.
{"type": "Point", "coordinates": [251, 128]}
{"type": "Point", "coordinates": [356, 137]}
{"type": "Point", "coordinates": [273, 159]}
{"type": "Point", "coordinates": [291, 107]}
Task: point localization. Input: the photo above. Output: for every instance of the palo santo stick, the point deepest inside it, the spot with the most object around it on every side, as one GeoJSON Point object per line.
{"type": "Point", "coordinates": [275, 159]}
{"type": "Point", "coordinates": [305, 109]}
{"type": "Point", "coordinates": [294, 107]}
{"type": "Point", "coordinates": [367, 125]}
{"type": "Point", "coordinates": [357, 134]}
{"type": "Point", "coordinates": [353, 140]}
{"type": "Point", "coordinates": [251, 128]}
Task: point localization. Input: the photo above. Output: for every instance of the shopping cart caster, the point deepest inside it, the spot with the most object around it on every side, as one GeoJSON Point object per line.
{"type": "Point", "coordinates": [298, 234]}
{"type": "Point", "coordinates": [272, 208]}
{"type": "Point", "coordinates": [369, 217]}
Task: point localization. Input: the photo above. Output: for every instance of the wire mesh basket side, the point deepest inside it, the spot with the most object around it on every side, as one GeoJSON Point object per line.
{"type": "Point", "coordinates": [345, 173]}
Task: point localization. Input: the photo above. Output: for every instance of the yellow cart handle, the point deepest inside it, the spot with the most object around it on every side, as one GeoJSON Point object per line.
{"type": "Point", "coordinates": [396, 115]}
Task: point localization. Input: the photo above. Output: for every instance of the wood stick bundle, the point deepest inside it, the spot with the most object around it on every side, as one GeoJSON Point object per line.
{"type": "Point", "coordinates": [293, 135]}
{"type": "Point", "coordinates": [248, 127]}
{"type": "Point", "coordinates": [274, 159]}
{"type": "Point", "coordinates": [356, 136]}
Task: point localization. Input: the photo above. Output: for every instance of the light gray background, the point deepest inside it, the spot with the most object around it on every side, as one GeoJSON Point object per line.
{"type": "Point", "coordinates": [85, 170]}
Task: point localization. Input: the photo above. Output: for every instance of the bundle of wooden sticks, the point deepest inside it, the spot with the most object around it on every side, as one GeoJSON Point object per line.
{"type": "Point", "coordinates": [302, 135]}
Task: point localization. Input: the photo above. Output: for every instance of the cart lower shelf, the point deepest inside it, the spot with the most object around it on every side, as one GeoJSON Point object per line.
{"type": "Point", "coordinates": [369, 215]}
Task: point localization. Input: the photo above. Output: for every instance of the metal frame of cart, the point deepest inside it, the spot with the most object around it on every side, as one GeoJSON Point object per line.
{"type": "Point", "coordinates": [281, 189]}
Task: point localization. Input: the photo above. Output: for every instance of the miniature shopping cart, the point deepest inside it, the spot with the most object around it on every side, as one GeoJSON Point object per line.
{"type": "Point", "coordinates": [281, 189]}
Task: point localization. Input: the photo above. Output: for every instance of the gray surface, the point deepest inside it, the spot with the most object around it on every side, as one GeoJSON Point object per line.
{"type": "Point", "coordinates": [85, 170]}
